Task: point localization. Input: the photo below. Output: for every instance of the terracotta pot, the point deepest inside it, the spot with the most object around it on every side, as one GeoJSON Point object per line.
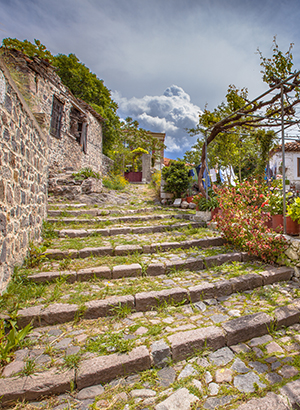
{"type": "Point", "coordinates": [277, 223]}
{"type": "Point", "coordinates": [214, 212]}
{"type": "Point", "coordinates": [268, 222]}
{"type": "Point", "coordinates": [292, 227]}
{"type": "Point", "coordinates": [189, 199]}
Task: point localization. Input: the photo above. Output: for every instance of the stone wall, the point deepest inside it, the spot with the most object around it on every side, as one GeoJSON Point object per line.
{"type": "Point", "coordinates": [41, 84]}
{"type": "Point", "coordinates": [23, 183]}
{"type": "Point", "coordinates": [107, 165]}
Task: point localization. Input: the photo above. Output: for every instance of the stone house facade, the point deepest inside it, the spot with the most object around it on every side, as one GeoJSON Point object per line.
{"type": "Point", "coordinates": [43, 129]}
{"type": "Point", "coordinates": [292, 162]}
{"type": "Point", "coordinates": [74, 129]}
{"type": "Point", "coordinates": [23, 176]}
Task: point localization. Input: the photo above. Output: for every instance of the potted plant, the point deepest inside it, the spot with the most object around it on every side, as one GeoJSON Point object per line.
{"type": "Point", "coordinates": [203, 207]}
{"type": "Point", "coordinates": [275, 207]}
{"type": "Point", "coordinates": [293, 217]}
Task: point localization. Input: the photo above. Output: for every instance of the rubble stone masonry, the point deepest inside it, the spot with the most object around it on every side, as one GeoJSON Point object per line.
{"type": "Point", "coordinates": [23, 177]}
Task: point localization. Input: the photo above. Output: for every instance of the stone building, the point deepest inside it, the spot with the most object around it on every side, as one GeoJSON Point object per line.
{"type": "Point", "coordinates": [43, 129]}
{"type": "Point", "coordinates": [292, 162]}
{"type": "Point", "coordinates": [74, 129]}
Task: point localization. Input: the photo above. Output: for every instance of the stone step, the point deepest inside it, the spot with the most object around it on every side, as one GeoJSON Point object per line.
{"type": "Point", "coordinates": [224, 340]}
{"type": "Point", "coordinates": [97, 211]}
{"type": "Point", "coordinates": [41, 315]}
{"type": "Point", "coordinates": [123, 250]}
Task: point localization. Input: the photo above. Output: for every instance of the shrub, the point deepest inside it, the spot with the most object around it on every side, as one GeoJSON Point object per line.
{"type": "Point", "coordinates": [117, 182]}
{"type": "Point", "coordinates": [156, 181]}
{"type": "Point", "coordinates": [176, 178]}
{"type": "Point", "coordinates": [243, 222]}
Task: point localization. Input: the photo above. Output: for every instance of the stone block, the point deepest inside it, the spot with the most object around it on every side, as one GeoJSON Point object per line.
{"type": "Point", "coordinates": [272, 401]}
{"type": "Point", "coordinates": [73, 233]}
{"type": "Point", "coordinates": [89, 273]}
{"type": "Point", "coordinates": [43, 277]}
{"type": "Point", "coordinates": [218, 260]}
{"type": "Point", "coordinates": [177, 202]}
{"type": "Point", "coordinates": [286, 315]}
{"type": "Point", "coordinates": [58, 313]}
{"type": "Point", "coordinates": [36, 386]}
{"type": "Point", "coordinates": [124, 271]}
{"type": "Point", "coordinates": [246, 327]}
{"type": "Point", "coordinates": [101, 251]}
{"type": "Point", "coordinates": [246, 282]}
{"type": "Point", "coordinates": [161, 353]}
{"type": "Point", "coordinates": [291, 392]}
{"type": "Point", "coordinates": [103, 369]}
{"type": "Point", "coordinates": [142, 229]}
{"type": "Point", "coordinates": [56, 254]}
{"type": "Point", "coordinates": [185, 344]}
{"type": "Point", "coordinates": [29, 314]}
{"type": "Point", "coordinates": [205, 290]}
{"type": "Point", "coordinates": [194, 264]}
{"type": "Point", "coordinates": [107, 307]}
{"type": "Point", "coordinates": [119, 231]}
{"type": "Point", "coordinates": [166, 195]}
{"type": "Point", "coordinates": [274, 275]}
{"type": "Point", "coordinates": [146, 248]}
{"type": "Point", "coordinates": [155, 269]}
{"type": "Point", "coordinates": [182, 399]}
{"type": "Point", "coordinates": [248, 258]}
{"type": "Point", "coordinates": [102, 232]}
{"type": "Point", "coordinates": [121, 250]}
{"type": "Point", "coordinates": [146, 300]}
{"type": "Point", "coordinates": [223, 288]}
{"type": "Point", "coordinates": [165, 246]}
{"type": "Point", "coordinates": [179, 264]}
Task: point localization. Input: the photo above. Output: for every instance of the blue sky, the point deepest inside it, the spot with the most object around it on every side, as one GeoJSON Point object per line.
{"type": "Point", "coordinates": [163, 60]}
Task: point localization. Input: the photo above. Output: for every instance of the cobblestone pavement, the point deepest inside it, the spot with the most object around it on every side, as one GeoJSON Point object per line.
{"type": "Point", "coordinates": [174, 355]}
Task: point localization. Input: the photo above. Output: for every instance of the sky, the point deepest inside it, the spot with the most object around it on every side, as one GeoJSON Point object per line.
{"type": "Point", "coordinates": [163, 60]}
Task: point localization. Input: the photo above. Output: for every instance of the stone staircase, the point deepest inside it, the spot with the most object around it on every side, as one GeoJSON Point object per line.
{"type": "Point", "coordinates": [128, 317]}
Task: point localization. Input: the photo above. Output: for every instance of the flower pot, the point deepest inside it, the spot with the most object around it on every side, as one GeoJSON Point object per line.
{"type": "Point", "coordinates": [189, 199]}
{"type": "Point", "coordinates": [214, 212]}
{"type": "Point", "coordinates": [268, 222]}
{"type": "Point", "coordinates": [277, 223]}
{"type": "Point", "coordinates": [292, 227]}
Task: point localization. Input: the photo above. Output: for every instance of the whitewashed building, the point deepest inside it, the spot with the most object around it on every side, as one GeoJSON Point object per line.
{"type": "Point", "coordinates": [292, 162]}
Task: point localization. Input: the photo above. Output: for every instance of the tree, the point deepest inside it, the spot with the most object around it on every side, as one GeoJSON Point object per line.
{"type": "Point", "coordinates": [241, 114]}
{"type": "Point", "coordinates": [81, 81]}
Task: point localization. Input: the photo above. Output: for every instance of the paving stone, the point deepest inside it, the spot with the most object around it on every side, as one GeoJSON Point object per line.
{"type": "Point", "coordinates": [37, 385]}
{"type": "Point", "coordinates": [146, 300]}
{"type": "Point", "coordinates": [286, 315]}
{"type": "Point", "coordinates": [202, 362]}
{"type": "Point", "coordinates": [273, 378]}
{"type": "Point", "coordinates": [205, 290]}
{"type": "Point", "coordinates": [246, 327]}
{"type": "Point", "coordinates": [160, 353]}
{"type": "Point", "coordinates": [180, 400]}
{"type": "Point", "coordinates": [90, 273]}
{"type": "Point", "coordinates": [213, 389]}
{"type": "Point", "coordinates": [223, 375]}
{"type": "Point", "coordinates": [106, 368]}
{"type": "Point", "coordinates": [219, 318]}
{"type": "Point", "coordinates": [122, 271]}
{"type": "Point", "coordinates": [288, 371]}
{"type": "Point", "coordinates": [141, 331]}
{"type": "Point", "coordinates": [63, 344]}
{"type": "Point", "coordinates": [187, 372]}
{"type": "Point", "coordinates": [197, 384]}
{"type": "Point", "coordinates": [245, 382]}
{"type": "Point", "coordinates": [273, 347]}
{"type": "Point", "coordinates": [239, 366]}
{"type": "Point", "coordinates": [166, 376]}
{"type": "Point", "coordinates": [258, 367]}
{"type": "Point", "coordinates": [72, 350]}
{"type": "Point", "coordinates": [221, 357]}
{"type": "Point", "coordinates": [272, 401]}
{"type": "Point", "coordinates": [90, 392]}
{"type": "Point", "coordinates": [208, 377]}
{"type": "Point", "coordinates": [106, 307]}
{"type": "Point", "coordinates": [214, 402]}
{"type": "Point", "coordinates": [240, 348]}
{"type": "Point", "coordinates": [201, 306]}
{"type": "Point", "coordinates": [143, 393]}
{"type": "Point", "coordinates": [184, 344]}
{"type": "Point", "coordinates": [12, 368]}
{"type": "Point", "coordinates": [291, 391]}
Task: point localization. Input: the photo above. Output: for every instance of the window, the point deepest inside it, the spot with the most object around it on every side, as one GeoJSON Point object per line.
{"type": "Point", "coordinates": [57, 111]}
{"type": "Point", "coordinates": [298, 167]}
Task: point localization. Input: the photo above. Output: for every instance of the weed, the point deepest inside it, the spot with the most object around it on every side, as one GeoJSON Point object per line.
{"type": "Point", "coordinates": [121, 311]}
{"type": "Point", "coordinates": [10, 341]}
{"type": "Point", "coordinates": [85, 173]}
{"type": "Point", "coordinates": [29, 367]}
{"type": "Point", "coordinates": [64, 263]}
{"type": "Point", "coordinates": [109, 343]}
{"type": "Point", "coordinates": [72, 361]}
{"type": "Point", "coordinates": [35, 256]}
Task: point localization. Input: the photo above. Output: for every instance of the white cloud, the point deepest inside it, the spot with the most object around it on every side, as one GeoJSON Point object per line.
{"type": "Point", "coordinates": [172, 113]}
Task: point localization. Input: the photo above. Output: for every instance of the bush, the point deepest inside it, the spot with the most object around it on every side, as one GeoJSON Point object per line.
{"type": "Point", "coordinates": [117, 182]}
{"type": "Point", "coordinates": [176, 178]}
{"type": "Point", "coordinates": [243, 222]}
{"type": "Point", "coordinates": [156, 181]}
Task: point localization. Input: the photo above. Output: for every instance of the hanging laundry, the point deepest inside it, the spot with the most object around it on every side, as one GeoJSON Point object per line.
{"type": "Point", "coordinates": [213, 175]}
